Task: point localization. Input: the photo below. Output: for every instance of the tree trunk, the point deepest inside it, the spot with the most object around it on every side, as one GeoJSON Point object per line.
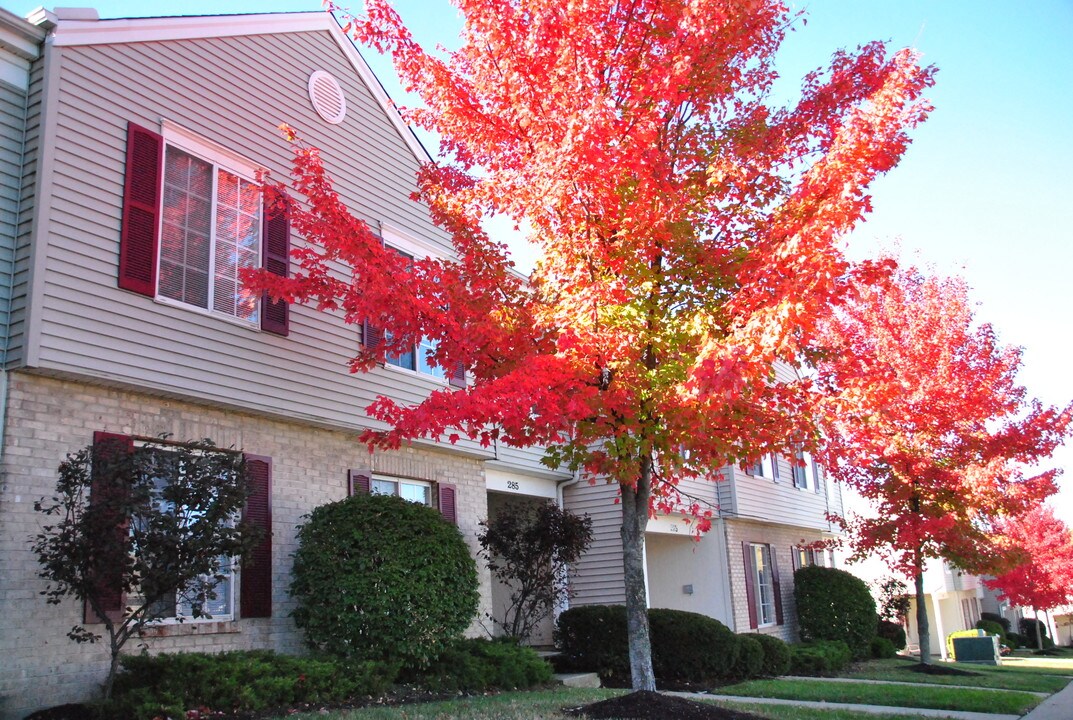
{"type": "Point", "coordinates": [1039, 633]}
{"type": "Point", "coordinates": [923, 629]}
{"type": "Point", "coordinates": [634, 521]}
{"type": "Point", "coordinates": [113, 667]}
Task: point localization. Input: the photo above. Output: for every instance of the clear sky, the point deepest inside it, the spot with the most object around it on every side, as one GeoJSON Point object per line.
{"type": "Point", "coordinates": [985, 189]}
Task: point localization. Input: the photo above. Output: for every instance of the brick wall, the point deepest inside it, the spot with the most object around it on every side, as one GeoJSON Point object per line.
{"type": "Point", "coordinates": [48, 418]}
{"type": "Point", "coordinates": [781, 538]}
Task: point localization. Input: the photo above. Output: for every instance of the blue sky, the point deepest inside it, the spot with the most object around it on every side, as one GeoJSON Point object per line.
{"type": "Point", "coordinates": [984, 190]}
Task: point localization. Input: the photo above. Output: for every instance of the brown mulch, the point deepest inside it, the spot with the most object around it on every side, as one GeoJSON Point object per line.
{"type": "Point", "coordinates": [73, 711]}
{"type": "Point", "coordinates": [648, 705]}
{"type": "Point", "coordinates": [930, 669]}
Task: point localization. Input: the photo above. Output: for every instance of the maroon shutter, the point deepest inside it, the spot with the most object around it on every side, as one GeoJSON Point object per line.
{"type": "Point", "coordinates": [371, 335]}
{"type": "Point", "coordinates": [750, 583]}
{"type": "Point", "coordinates": [256, 574]}
{"type": "Point", "coordinates": [359, 482]}
{"type": "Point", "coordinates": [458, 377]}
{"type": "Point", "coordinates": [107, 447]}
{"type": "Point", "coordinates": [448, 508]}
{"type": "Point", "coordinates": [775, 585]}
{"type": "Point", "coordinates": [138, 239]}
{"type": "Point", "coordinates": [276, 255]}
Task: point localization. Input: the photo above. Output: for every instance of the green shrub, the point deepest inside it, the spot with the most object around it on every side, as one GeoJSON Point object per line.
{"type": "Point", "coordinates": [819, 657]}
{"type": "Point", "coordinates": [168, 685]}
{"type": "Point", "coordinates": [992, 628]}
{"type": "Point", "coordinates": [477, 665]}
{"type": "Point", "coordinates": [686, 647]}
{"type": "Point", "coordinates": [776, 654]}
{"type": "Point", "coordinates": [1015, 640]}
{"type": "Point", "coordinates": [995, 617]}
{"type": "Point", "coordinates": [1027, 629]}
{"type": "Point", "coordinates": [380, 578]}
{"type": "Point", "coordinates": [750, 658]}
{"type": "Point", "coordinates": [893, 632]}
{"type": "Point", "coordinates": [832, 604]}
{"type": "Point", "coordinates": [882, 648]}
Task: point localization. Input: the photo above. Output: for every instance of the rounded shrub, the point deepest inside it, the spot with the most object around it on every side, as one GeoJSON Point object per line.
{"type": "Point", "coordinates": [832, 604]}
{"type": "Point", "coordinates": [380, 578]}
{"type": "Point", "coordinates": [892, 631]}
{"type": "Point", "coordinates": [1015, 640]}
{"type": "Point", "coordinates": [995, 617]}
{"type": "Point", "coordinates": [776, 654]}
{"type": "Point", "coordinates": [750, 658]}
{"type": "Point", "coordinates": [882, 648]}
{"type": "Point", "coordinates": [992, 628]}
{"type": "Point", "coordinates": [686, 647]}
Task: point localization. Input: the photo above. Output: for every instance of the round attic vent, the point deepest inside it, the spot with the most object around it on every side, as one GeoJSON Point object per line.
{"type": "Point", "coordinates": [327, 97]}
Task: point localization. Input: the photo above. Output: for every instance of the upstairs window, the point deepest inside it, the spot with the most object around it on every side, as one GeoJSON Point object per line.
{"type": "Point", "coordinates": [804, 471]}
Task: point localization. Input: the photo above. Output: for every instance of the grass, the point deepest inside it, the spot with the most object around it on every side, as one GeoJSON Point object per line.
{"type": "Point", "coordinates": [547, 704]}
{"type": "Point", "coordinates": [1012, 675]}
{"type": "Point", "coordinates": [934, 696]}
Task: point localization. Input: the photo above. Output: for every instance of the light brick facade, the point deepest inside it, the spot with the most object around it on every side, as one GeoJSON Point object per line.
{"type": "Point", "coordinates": [48, 418]}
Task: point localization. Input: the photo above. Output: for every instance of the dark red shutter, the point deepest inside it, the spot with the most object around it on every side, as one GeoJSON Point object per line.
{"type": "Point", "coordinates": [106, 448]}
{"type": "Point", "coordinates": [775, 585]}
{"type": "Point", "coordinates": [359, 482]}
{"type": "Point", "coordinates": [458, 377]}
{"type": "Point", "coordinates": [138, 240]}
{"type": "Point", "coordinates": [448, 507]}
{"type": "Point", "coordinates": [256, 574]}
{"type": "Point", "coordinates": [276, 258]}
{"type": "Point", "coordinates": [371, 335]}
{"type": "Point", "coordinates": [750, 583]}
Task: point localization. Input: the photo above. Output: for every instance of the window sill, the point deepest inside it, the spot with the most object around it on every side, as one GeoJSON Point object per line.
{"type": "Point", "coordinates": [186, 629]}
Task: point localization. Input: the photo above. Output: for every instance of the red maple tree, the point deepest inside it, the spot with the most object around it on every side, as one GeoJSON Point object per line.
{"type": "Point", "coordinates": [924, 418]}
{"type": "Point", "coordinates": [1044, 578]}
{"type": "Point", "coordinates": [689, 232]}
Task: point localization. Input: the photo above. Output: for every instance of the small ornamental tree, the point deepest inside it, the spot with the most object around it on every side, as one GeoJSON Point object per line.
{"type": "Point", "coordinates": [923, 416]}
{"type": "Point", "coordinates": [690, 231]}
{"type": "Point", "coordinates": [379, 578]}
{"type": "Point", "coordinates": [149, 529]}
{"type": "Point", "coordinates": [1044, 578]}
{"type": "Point", "coordinates": [530, 548]}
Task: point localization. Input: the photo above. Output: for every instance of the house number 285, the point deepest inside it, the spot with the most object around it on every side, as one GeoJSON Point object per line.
{"type": "Point", "coordinates": [512, 485]}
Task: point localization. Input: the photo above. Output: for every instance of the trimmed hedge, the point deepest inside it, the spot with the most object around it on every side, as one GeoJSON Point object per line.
{"type": "Point", "coordinates": [883, 649]}
{"type": "Point", "coordinates": [380, 578]}
{"type": "Point", "coordinates": [995, 617]}
{"type": "Point", "coordinates": [992, 628]}
{"type": "Point", "coordinates": [477, 665]}
{"type": "Point", "coordinates": [686, 647]}
{"type": "Point", "coordinates": [819, 657]}
{"type": "Point", "coordinates": [168, 685]}
{"type": "Point", "coordinates": [776, 654]}
{"type": "Point", "coordinates": [832, 604]}
{"type": "Point", "coordinates": [893, 632]}
{"type": "Point", "coordinates": [750, 658]}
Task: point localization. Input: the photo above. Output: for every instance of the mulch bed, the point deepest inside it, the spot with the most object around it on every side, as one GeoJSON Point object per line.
{"type": "Point", "coordinates": [930, 669]}
{"type": "Point", "coordinates": [648, 705]}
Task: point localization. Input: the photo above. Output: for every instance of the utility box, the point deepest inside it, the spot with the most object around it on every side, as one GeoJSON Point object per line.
{"type": "Point", "coordinates": [983, 650]}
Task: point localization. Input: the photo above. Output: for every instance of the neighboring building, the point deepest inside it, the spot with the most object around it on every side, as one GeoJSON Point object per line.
{"type": "Point", "coordinates": [740, 572]}
{"type": "Point", "coordinates": [127, 201]}
{"type": "Point", "coordinates": [953, 600]}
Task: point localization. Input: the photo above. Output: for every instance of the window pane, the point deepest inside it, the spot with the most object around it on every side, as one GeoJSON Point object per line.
{"type": "Point", "coordinates": [383, 487]}
{"type": "Point", "coordinates": [765, 588]}
{"type": "Point", "coordinates": [238, 244]}
{"type": "Point", "coordinates": [185, 222]}
{"type": "Point", "coordinates": [424, 365]}
{"type": "Point", "coordinates": [416, 493]}
{"type": "Point", "coordinates": [405, 360]}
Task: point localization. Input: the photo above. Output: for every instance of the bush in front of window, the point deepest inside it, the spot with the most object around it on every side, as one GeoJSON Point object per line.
{"type": "Point", "coordinates": [882, 648]}
{"type": "Point", "coordinates": [776, 654]}
{"type": "Point", "coordinates": [750, 658]}
{"type": "Point", "coordinates": [891, 631]}
{"type": "Point", "coordinates": [833, 604]}
{"type": "Point", "coordinates": [477, 665]}
{"type": "Point", "coordinates": [821, 657]}
{"type": "Point", "coordinates": [170, 685]}
{"type": "Point", "coordinates": [380, 578]}
{"type": "Point", "coordinates": [687, 648]}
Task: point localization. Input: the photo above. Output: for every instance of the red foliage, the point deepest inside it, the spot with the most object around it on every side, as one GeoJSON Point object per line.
{"type": "Point", "coordinates": [1044, 578]}
{"type": "Point", "coordinates": [924, 417]}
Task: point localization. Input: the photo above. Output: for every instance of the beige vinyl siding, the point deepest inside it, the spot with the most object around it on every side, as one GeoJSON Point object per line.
{"type": "Point", "coordinates": [233, 91]}
{"type": "Point", "coordinates": [598, 579]}
{"type": "Point", "coordinates": [12, 133]}
{"type": "Point", "coordinates": [758, 498]}
{"type": "Point", "coordinates": [27, 200]}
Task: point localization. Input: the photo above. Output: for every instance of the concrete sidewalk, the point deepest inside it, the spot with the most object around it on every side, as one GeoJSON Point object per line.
{"type": "Point", "coordinates": [868, 681]}
{"type": "Point", "coordinates": [1057, 707]}
{"type": "Point", "coordinates": [874, 709]}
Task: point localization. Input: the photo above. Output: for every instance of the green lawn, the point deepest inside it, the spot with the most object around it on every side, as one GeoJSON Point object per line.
{"type": "Point", "coordinates": [933, 696]}
{"type": "Point", "coordinates": [1012, 675]}
{"type": "Point", "coordinates": [546, 705]}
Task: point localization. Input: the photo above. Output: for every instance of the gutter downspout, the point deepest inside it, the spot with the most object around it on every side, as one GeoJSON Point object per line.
{"type": "Point", "coordinates": [560, 500]}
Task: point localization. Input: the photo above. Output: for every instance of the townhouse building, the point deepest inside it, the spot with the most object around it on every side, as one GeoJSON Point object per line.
{"type": "Point", "coordinates": [128, 203]}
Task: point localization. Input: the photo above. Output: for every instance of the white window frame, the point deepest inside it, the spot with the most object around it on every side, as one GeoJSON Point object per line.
{"type": "Point", "coordinates": [221, 159]}
{"type": "Point", "coordinates": [766, 612]}
{"type": "Point", "coordinates": [398, 482]}
{"type": "Point", "coordinates": [178, 619]}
